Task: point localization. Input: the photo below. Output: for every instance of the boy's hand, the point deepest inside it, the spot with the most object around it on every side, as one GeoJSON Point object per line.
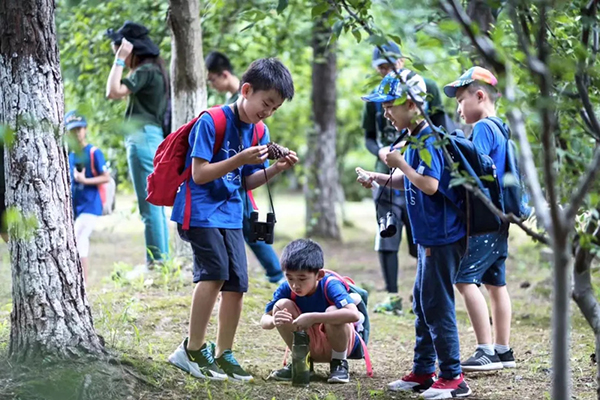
{"type": "Point", "coordinates": [254, 155]}
{"type": "Point", "coordinates": [383, 152]}
{"type": "Point", "coordinates": [79, 177]}
{"type": "Point", "coordinates": [287, 162]}
{"type": "Point", "coordinates": [282, 317]}
{"type": "Point", "coordinates": [395, 159]}
{"type": "Point", "coordinates": [125, 49]}
{"type": "Point", "coordinates": [304, 322]}
{"type": "Point", "coordinates": [369, 182]}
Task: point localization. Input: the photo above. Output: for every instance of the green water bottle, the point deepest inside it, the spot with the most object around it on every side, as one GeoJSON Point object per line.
{"type": "Point", "coordinates": [300, 357]}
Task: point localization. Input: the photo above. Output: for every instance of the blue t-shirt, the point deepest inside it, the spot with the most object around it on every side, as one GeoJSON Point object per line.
{"type": "Point", "coordinates": [434, 221]}
{"type": "Point", "coordinates": [316, 302]}
{"type": "Point", "coordinates": [493, 143]}
{"type": "Point", "coordinates": [217, 204]}
{"type": "Point", "coordinates": [86, 198]}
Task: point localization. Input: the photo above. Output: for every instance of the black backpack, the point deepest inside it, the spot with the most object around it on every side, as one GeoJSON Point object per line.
{"type": "Point", "coordinates": [478, 217]}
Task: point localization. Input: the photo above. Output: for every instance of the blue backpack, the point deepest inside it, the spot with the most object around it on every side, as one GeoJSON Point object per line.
{"type": "Point", "coordinates": [478, 217]}
{"type": "Point", "coordinates": [514, 195]}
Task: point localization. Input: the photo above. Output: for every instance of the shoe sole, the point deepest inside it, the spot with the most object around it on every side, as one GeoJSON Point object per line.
{"type": "Point", "coordinates": [407, 389]}
{"type": "Point", "coordinates": [509, 364]}
{"type": "Point", "coordinates": [450, 396]}
{"type": "Point", "coordinates": [241, 379]}
{"type": "Point", "coordinates": [219, 377]}
{"type": "Point", "coordinates": [338, 380]}
{"type": "Point", "coordinates": [479, 368]}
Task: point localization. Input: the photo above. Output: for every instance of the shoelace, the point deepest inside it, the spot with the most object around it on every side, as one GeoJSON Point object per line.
{"type": "Point", "coordinates": [228, 356]}
{"type": "Point", "coordinates": [207, 353]}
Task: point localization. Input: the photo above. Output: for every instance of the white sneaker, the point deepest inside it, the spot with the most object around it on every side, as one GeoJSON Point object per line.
{"type": "Point", "coordinates": [203, 366]}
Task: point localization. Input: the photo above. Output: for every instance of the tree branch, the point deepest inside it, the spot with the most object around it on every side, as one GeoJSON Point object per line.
{"type": "Point", "coordinates": [583, 292]}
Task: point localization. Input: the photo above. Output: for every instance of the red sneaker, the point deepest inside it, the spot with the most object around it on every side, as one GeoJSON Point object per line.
{"type": "Point", "coordinates": [448, 389]}
{"type": "Point", "coordinates": [413, 382]}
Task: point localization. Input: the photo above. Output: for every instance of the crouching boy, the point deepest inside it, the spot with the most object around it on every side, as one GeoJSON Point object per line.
{"type": "Point", "coordinates": [303, 303]}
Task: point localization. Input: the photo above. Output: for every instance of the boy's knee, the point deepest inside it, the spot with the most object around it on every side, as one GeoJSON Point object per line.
{"type": "Point", "coordinates": [464, 287]}
{"type": "Point", "coordinates": [283, 304]}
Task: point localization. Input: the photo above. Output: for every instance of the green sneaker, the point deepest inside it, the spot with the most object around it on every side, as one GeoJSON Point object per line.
{"type": "Point", "coordinates": [393, 305]}
{"type": "Point", "coordinates": [232, 368]}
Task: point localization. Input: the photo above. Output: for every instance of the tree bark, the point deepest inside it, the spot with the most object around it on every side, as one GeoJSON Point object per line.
{"type": "Point", "coordinates": [320, 191]}
{"type": "Point", "coordinates": [51, 314]}
{"type": "Point", "coordinates": [188, 78]}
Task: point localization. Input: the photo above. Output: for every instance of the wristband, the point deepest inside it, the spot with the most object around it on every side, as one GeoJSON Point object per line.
{"type": "Point", "coordinates": [120, 62]}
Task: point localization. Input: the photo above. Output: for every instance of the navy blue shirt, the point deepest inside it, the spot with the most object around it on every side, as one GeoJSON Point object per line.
{"type": "Point", "coordinates": [217, 204]}
{"type": "Point", "coordinates": [434, 221]}
{"type": "Point", "coordinates": [316, 302]}
{"type": "Point", "coordinates": [86, 198]}
{"type": "Point", "coordinates": [493, 143]}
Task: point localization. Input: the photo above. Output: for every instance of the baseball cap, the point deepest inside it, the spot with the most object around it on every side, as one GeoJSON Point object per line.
{"type": "Point", "coordinates": [391, 49]}
{"type": "Point", "coordinates": [74, 120]}
{"type": "Point", "coordinates": [137, 34]}
{"type": "Point", "coordinates": [392, 88]}
{"type": "Point", "coordinates": [472, 75]}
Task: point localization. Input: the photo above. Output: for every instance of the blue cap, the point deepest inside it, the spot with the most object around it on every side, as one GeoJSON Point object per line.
{"type": "Point", "coordinates": [74, 120]}
{"type": "Point", "coordinates": [391, 88]}
{"type": "Point", "coordinates": [391, 50]}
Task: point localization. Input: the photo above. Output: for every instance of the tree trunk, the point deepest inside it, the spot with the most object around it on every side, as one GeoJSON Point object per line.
{"type": "Point", "coordinates": [561, 367]}
{"type": "Point", "coordinates": [321, 193]}
{"type": "Point", "coordinates": [188, 79]}
{"type": "Point", "coordinates": [51, 314]}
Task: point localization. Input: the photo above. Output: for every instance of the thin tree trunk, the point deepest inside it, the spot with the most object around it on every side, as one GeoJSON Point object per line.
{"type": "Point", "coordinates": [51, 315]}
{"type": "Point", "coordinates": [321, 190]}
{"type": "Point", "coordinates": [188, 79]}
{"type": "Point", "coordinates": [561, 316]}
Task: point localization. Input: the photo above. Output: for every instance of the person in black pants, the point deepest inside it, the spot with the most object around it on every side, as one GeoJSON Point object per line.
{"type": "Point", "coordinates": [379, 135]}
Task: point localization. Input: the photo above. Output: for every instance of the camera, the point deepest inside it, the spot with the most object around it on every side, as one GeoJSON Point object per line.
{"type": "Point", "coordinates": [387, 225]}
{"type": "Point", "coordinates": [262, 231]}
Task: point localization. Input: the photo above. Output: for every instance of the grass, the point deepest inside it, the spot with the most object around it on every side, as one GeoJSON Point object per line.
{"type": "Point", "coordinates": [142, 321]}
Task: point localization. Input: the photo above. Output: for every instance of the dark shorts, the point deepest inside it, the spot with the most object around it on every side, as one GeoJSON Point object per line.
{"type": "Point", "coordinates": [219, 255]}
{"type": "Point", "coordinates": [484, 261]}
{"type": "Point", "coordinates": [382, 206]}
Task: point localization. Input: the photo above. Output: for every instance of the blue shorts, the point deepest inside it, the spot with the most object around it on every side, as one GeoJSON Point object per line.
{"type": "Point", "coordinates": [484, 261]}
{"type": "Point", "coordinates": [219, 255]}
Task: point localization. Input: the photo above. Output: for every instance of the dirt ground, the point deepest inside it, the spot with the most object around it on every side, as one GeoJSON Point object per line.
{"type": "Point", "coordinates": [143, 319]}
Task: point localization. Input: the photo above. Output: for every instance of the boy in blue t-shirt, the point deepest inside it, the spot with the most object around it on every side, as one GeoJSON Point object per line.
{"type": "Point", "coordinates": [88, 171]}
{"type": "Point", "coordinates": [317, 303]}
{"type": "Point", "coordinates": [439, 233]}
{"type": "Point", "coordinates": [218, 181]}
{"type": "Point", "coordinates": [476, 96]}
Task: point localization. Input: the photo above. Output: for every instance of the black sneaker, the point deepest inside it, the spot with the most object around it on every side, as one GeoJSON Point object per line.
{"type": "Point", "coordinates": [199, 363]}
{"type": "Point", "coordinates": [284, 374]}
{"type": "Point", "coordinates": [232, 368]}
{"type": "Point", "coordinates": [480, 361]}
{"type": "Point", "coordinates": [338, 371]}
{"type": "Point", "coordinates": [507, 359]}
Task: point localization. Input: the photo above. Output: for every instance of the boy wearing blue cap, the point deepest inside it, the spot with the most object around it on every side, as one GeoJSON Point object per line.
{"type": "Point", "coordinates": [88, 172]}
{"type": "Point", "coordinates": [476, 94]}
{"type": "Point", "coordinates": [438, 232]}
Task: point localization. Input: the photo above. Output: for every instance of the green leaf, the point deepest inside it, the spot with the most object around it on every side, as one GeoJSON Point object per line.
{"type": "Point", "coordinates": [337, 28]}
{"type": "Point", "coordinates": [488, 178]}
{"type": "Point", "coordinates": [396, 39]}
{"type": "Point", "coordinates": [282, 5]}
{"type": "Point", "coordinates": [377, 40]}
{"type": "Point", "coordinates": [425, 155]}
{"type": "Point", "coordinates": [248, 26]}
{"type": "Point", "coordinates": [320, 9]}
{"type": "Point", "coordinates": [357, 35]}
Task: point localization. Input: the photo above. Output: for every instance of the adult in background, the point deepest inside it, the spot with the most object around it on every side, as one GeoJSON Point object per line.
{"type": "Point", "coordinates": [223, 80]}
{"type": "Point", "coordinates": [146, 88]}
{"type": "Point", "coordinates": [379, 135]}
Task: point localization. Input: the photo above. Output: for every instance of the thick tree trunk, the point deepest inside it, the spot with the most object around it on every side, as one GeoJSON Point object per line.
{"type": "Point", "coordinates": [321, 189]}
{"type": "Point", "coordinates": [51, 315]}
{"type": "Point", "coordinates": [188, 79]}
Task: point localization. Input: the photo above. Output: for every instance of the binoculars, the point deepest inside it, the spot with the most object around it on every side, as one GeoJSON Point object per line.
{"type": "Point", "coordinates": [262, 231]}
{"type": "Point", "coordinates": [387, 225]}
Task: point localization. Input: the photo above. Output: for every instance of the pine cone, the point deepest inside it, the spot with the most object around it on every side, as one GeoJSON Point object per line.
{"type": "Point", "coordinates": [276, 151]}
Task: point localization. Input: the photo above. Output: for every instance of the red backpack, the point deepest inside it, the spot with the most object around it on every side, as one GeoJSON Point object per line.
{"type": "Point", "coordinates": [169, 162]}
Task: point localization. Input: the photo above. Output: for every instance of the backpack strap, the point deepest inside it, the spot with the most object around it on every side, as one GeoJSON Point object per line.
{"type": "Point", "coordinates": [92, 151]}
{"type": "Point", "coordinates": [258, 134]}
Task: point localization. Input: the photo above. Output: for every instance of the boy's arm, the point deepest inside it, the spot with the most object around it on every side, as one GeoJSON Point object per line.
{"type": "Point", "coordinates": [258, 178]}
{"type": "Point", "coordinates": [267, 321]}
{"type": "Point", "coordinates": [204, 171]}
{"type": "Point", "coordinates": [348, 314]}
{"type": "Point", "coordinates": [96, 180]}
{"type": "Point", "coordinates": [427, 184]}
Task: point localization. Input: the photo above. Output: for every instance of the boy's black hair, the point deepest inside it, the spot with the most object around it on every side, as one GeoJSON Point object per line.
{"type": "Point", "coordinates": [270, 73]}
{"type": "Point", "coordinates": [302, 255]}
{"type": "Point", "coordinates": [217, 63]}
{"type": "Point", "coordinates": [491, 91]}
